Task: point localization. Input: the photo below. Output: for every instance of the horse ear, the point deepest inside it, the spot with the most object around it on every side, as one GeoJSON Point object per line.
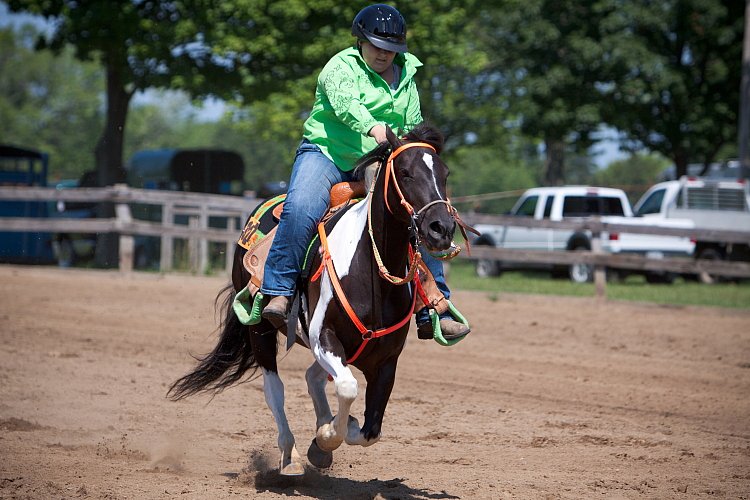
{"type": "Point", "coordinates": [393, 139]}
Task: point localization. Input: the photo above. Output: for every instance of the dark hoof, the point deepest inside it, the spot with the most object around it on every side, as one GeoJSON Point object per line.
{"type": "Point", "coordinates": [319, 458]}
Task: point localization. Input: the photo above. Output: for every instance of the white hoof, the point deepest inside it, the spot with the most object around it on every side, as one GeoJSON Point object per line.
{"type": "Point", "coordinates": [353, 432]}
{"type": "Point", "coordinates": [327, 438]}
{"type": "Point", "coordinates": [291, 465]}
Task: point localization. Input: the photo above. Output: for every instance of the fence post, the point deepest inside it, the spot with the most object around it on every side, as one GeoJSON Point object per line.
{"type": "Point", "coordinates": [127, 242]}
{"type": "Point", "coordinates": [166, 258]}
{"type": "Point", "coordinates": [600, 276]}
{"type": "Point", "coordinates": [203, 242]}
{"type": "Point", "coordinates": [229, 252]}
{"type": "Point", "coordinates": [193, 223]}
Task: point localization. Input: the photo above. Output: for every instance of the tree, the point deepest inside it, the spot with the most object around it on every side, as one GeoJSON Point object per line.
{"type": "Point", "coordinates": [678, 74]}
{"type": "Point", "coordinates": [49, 103]}
{"type": "Point", "coordinates": [140, 45]}
{"type": "Point", "coordinates": [547, 57]}
{"type": "Point", "coordinates": [634, 174]}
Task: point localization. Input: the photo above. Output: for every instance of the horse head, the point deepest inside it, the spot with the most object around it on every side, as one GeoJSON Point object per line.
{"type": "Point", "coordinates": [418, 177]}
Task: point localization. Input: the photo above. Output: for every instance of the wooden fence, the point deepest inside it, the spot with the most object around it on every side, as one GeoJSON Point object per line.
{"type": "Point", "coordinates": [198, 209]}
{"type": "Point", "coordinates": [601, 260]}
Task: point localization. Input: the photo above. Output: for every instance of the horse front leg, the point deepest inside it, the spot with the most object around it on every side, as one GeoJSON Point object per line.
{"type": "Point", "coordinates": [329, 353]}
{"type": "Point", "coordinates": [290, 463]}
{"type": "Point", "coordinates": [317, 378]}
{"type": "Point", "coordinates": [379, 387]}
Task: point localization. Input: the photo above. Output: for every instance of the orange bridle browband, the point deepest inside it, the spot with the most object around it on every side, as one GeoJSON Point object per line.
{"type": "Point", "coordinates": [390, 175]}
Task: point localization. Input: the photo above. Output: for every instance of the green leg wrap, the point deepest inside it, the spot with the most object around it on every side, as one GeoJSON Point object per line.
{"type": "Point", "coordinates": [437, 333]}
{"type": "Point", "coordinates": [247, 313]}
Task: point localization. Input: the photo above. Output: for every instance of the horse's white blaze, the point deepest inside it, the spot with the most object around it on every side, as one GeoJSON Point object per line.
{"type": "Point", "coordinates": [427, 159]}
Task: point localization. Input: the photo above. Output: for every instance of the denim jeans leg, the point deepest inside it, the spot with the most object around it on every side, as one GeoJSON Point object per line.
{"type": "Point", "coordinates": [313, 175]}
{"type": "Point", "coordinates": [436, 268]}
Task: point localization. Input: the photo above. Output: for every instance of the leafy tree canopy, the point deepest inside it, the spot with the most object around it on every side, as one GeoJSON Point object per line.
{"type": "Point", "coordinates": [678, 76]}
{"type": "Point", "coordinates": [50, 103]}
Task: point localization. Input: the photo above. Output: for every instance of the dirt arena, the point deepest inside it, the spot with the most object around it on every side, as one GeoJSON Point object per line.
{"type": "Point", "coordinates": [548, 398]}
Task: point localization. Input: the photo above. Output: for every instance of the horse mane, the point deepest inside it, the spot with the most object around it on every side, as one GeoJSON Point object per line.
{"type": "Point", "coordinates": [426, 133]}
{"type": "Point", "coordinates": [421, 133]}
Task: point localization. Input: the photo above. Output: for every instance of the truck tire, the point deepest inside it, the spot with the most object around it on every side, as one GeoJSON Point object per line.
{"type": "Point", "coordinates": [581, 273]}
{"type": "Point", "coordinates": [709, 253]}
{"type": "Point", "coordinates": [662, 278]}
{"type": "Point", "coordinates": [66, 255]}
{"type": "Point", "coordinates": [487, 268]}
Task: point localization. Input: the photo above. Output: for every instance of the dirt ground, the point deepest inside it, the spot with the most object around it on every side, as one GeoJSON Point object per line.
{"type": "Point", "coordinates": [547, 398]}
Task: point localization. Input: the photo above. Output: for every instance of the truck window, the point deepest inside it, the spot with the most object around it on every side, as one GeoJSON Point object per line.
{"type": "Point", "coordinates": [548, 206]}
{"type": "Point", "coordinates": [652, 204]}
{"type": "Point", "coordinates": [527, 207]}
{"type": "Point", "coordinates": [586, 206]}
{"type": "Point", "coordinates": [712, 197]}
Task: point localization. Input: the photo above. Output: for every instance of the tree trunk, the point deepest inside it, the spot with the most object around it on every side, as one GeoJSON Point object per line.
{"type": "Point", "coordinates": [108, 153]}
{"type": "Point", "coordinates": [680, 162]}
{"type": "Point", "coordinates": [554, 165]}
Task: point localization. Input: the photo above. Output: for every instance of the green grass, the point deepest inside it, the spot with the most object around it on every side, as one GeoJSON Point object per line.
{"type": "Point", "coordinates": [634, 288]}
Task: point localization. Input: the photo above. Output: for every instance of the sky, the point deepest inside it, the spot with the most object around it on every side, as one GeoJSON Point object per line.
{"type": "Point", "coordinates": [212, 109]}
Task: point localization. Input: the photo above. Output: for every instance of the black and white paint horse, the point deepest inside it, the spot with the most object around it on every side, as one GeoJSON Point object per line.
{"type": "Point", "coordinates": [406, 206]}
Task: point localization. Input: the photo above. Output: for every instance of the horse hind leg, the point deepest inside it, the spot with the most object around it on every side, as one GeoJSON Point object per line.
{"type": "Point", "coordinates": [290, 463]}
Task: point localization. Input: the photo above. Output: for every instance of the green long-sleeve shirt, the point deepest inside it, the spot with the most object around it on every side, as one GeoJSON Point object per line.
{"type": "Point", "coordinates": [350, 98]}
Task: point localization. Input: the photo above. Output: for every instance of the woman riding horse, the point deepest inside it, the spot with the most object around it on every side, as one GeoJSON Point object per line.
{"type": "Point", "coordinates": [353, 315]}
{"type": "Point", "coordinates": [361, 91]}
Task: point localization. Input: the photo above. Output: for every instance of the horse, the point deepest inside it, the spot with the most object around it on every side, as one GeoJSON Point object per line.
{"type": "Point", "coordinates": [356, 313]}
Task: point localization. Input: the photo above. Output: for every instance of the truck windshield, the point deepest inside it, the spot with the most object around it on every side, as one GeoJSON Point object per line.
{"type": "Point", "coordinates": [527, 207]}
{"type": "Point", "coordinates": [652, 204]}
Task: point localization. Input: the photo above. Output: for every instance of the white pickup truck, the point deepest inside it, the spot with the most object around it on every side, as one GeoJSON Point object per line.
{"type": "Point", "coordinates": [576, 202]}
{"type": "Point", "coordinates": [713, 204]}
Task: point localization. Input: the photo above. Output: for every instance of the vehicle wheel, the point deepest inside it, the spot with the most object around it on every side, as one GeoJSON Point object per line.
{"type": "Point", "coordinates": [487, 268]}
{"type": "Point", "coordinates": [581, 273]}
{"type": "Point", "coordinates": [709, 254]}
{"type": "Point", "coordinates": [65, 253]}
{"type": "Point", "coordinates": [663, 278]}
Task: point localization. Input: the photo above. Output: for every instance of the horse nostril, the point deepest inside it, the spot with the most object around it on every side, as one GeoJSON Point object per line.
{"type": "Point", "coordinates": [438, 227]}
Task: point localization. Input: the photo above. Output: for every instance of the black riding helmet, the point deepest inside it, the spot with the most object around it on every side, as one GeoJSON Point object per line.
{"type": "Point", "coordinates": [381, 25]}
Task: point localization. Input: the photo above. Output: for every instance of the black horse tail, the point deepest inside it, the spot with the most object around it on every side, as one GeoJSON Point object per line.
{"type": "Point", "coordinates": [230, 359]}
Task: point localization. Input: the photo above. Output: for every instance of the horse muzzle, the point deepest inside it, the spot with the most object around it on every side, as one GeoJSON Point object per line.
{"type": "Point", "coordinates": [436, 226]}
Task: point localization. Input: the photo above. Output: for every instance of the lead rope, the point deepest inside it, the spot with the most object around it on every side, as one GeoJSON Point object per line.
{"type": "Point", "coordinates": [382, 269]}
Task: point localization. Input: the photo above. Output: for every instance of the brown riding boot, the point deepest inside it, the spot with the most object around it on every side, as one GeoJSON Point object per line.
{"type": "Point", "coordinates": [276, 310]}
{"type": "Point", "coordinates": [451, 329]}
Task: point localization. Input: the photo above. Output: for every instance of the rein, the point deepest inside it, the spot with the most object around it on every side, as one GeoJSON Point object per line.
{"type": "Point", "coordinates": [413, 249]}
{"type": "Point", "coordinates": [414, 256]}
{"type": "Point", "coordinates": [366, 333]}
{"type": "Point", "coordinates": [390, 174]}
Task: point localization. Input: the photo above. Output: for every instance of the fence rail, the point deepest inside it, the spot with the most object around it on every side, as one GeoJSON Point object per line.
{"type": "Point", "coordinates": [602, 260]}
{"type": "Point", "coordinates": [199, 208]}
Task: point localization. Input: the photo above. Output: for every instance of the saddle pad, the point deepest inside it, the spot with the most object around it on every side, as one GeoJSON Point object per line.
{"type": "Point", "coordinates": [261, 221]}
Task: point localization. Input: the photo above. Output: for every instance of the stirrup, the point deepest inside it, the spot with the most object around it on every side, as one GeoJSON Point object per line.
{"type": "Point", "coordinates": [437, 332]}
{"type": "Point", "coordinates": [247, 313]}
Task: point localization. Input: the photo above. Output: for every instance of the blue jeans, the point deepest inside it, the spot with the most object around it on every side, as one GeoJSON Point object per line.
{"type": "Point", "coordinates": [313, 176]}
{"type": "Point", "coordinates": [436, 268]}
